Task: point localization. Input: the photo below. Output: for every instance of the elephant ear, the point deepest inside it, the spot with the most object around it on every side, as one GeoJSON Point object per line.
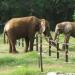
{"type": "Point", "coordinates": [43, 27]}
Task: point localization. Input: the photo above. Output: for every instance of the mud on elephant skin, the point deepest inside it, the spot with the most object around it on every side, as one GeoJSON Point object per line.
{"type": "Point", "coordinates": [67, 28]}
{"type": "Point", "coordinates": [25, 27]}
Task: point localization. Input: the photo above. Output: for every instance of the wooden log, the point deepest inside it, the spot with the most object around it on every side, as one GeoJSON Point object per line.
{"type": "Point", "coordinates": [36, 42]}
{"type": "Point", "coordinates": [41, 62]}
{"type": "Point", "coordinates": [49, 47]}
{"type": "Point", "coordinates": [57, 50]}
{"type": "Point", "coordinates": [66, 53]}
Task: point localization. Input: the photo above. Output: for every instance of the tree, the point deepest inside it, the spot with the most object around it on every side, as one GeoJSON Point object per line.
{"type": "Point", "coordinates": [54, 11]}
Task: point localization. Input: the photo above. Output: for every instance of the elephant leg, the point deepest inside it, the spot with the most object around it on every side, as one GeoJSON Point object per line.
{"type": "Point", "coordinates": [27, 44]}
{"type": "Point", "coordinates": [10, 47]}
{"type": "Point", "coordinates": [13, 43]}
{"type": "Point", "coordinates": [31, 44]}
{"type": "Point", "coordinates": [66, 40]}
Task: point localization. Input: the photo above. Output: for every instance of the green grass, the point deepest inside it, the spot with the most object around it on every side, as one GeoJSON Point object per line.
{"type": "Point", "coordinates": [28, 63]}
{"type": "Point", "coordinates": [26, 71]}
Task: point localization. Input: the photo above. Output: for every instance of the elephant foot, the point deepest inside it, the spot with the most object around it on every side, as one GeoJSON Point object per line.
{"type": "Point", "coordinates": [10, 51]}
{"type": "Point", "coordinates": [15, 52]}
{"type": "Point", "coordinates": [26, 51]}
{"type": "Point", "coordinates": [31, 50]}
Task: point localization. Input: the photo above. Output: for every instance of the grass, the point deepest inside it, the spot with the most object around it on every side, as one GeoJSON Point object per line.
{"type": "Point", "coordinates": [28, 63]}
{"type": "Point", "coordinates": [26, 71]}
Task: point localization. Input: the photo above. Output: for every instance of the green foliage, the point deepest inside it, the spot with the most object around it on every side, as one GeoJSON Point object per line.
{"type": "Point", "coordinates": [26, 71]}
{"type": "Point", "coordinates": [53, 10]}
{"type": "Point", "coordinates": [73, 16]}
{"type": "Point", "coordinates": [18, 60]}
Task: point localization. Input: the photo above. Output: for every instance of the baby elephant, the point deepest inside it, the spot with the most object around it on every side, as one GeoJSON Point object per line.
{"type": "Point", "coordinates": [68, 28]}
{"type": "Point", "coordinates": [25, 27]}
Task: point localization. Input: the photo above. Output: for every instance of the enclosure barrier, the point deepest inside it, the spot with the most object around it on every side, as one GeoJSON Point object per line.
{"type": "Point", "coordinates": [21, 43]}
{"type": "Point", "coordinates": [41, 62]}
{"type": "Point", "coordinates": [49, 47]}
{"type": "Point", "coordinates": [57, 46]}
{"type": "Point", "coordinates": [50, 42]}
{"type": "Point", "coordinates": [66, 49]}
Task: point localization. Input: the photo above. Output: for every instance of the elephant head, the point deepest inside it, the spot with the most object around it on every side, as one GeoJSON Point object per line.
{"type": "Point", "coordinates": [58, 30]}
{"type": "Point", "coordinates": [45, 29]}
{"type": "Point", "coordinates": [66, 28]}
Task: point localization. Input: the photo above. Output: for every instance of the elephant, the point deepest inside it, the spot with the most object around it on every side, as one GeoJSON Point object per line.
{"type": "Point", "coordinates": [68, 29]}
{"type": "Point", "coordinates": [25, 27]}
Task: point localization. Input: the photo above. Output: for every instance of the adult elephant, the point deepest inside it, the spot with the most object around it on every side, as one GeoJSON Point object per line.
{"type": "Point", "coordinates": [25, 27]}
{"type": "Point", "coordinates": [68, 28]}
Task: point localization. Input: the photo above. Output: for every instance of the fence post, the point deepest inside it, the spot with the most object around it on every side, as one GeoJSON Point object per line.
{"type": "Point", "coordinates": [36, 42]}
{"type": "Point", "coordinates": [41, 64]}
{"type": "Point", "coordinates": [57, 47]}
{"type": "Point", "coordinates": [49, 47]}
{"type": "Point", "coordinates": [66, 52]}
{"type": "Point", "coordinates": [57, 50]}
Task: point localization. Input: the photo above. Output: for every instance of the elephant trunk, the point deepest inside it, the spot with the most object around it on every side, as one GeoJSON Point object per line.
{"type": "Point", "coordinates": [51, 40]}
{"type": "Point", "coordinates": [55, 37]}
{"type": "Point", "coordinates": [56, 34]}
